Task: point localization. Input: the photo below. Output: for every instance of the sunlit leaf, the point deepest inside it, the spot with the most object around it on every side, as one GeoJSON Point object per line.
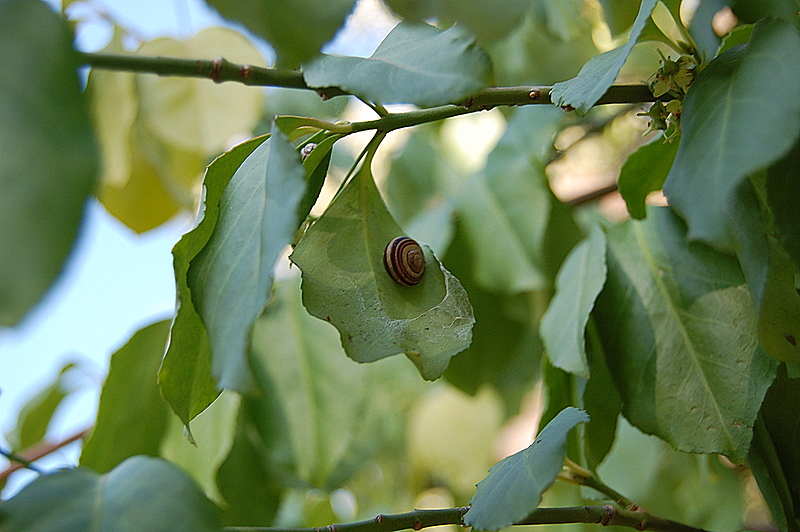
{"type": "Point", "coordinates": [679, 331]}
{"type": "Point", "coordinates": [740, 114]}
{"type": "Point", "coordinates": [296, 29]}
{"type": "Point", "coordinates": [345, 283]}
{"type": "Point", "coordinates": [48, 152]}
{"type": "Point", "coordinates": [231, 277]}
{"type": "Point", "coordinates": [513, 489]}
{"type": "Point", "coordinates": [415, 63]}
{"type": "Point", "coordinates": [185, 375]}
{"type": "Point", "coordinates": [132, 415]}
{"type": "Point", "coordinates": [578, 283]}
{"type": "Point", "coordinates": [597, 75]}
{"type": "Point", "coordinates": [142, 493]}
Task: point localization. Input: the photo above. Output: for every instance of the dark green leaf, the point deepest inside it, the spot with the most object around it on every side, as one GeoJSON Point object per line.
{"type": "Point", "coordinates": [185, 374]}
{"type": "Point", "coordinates": [345, 283]}
{"type": "Point", "coordinates": [602, 402]}
{"type": "Point", "coordinates": [597, 75]}
{"type": "Point", "coordinates": [35, 416]}
{"type": "Point", "coordinates": [770, 276]}
{"type": "Point", "coordinates": [644, 172]}
{"type": "Point", "coordinates": [775, 455]}
{"type": "Point", "coordinates": [132, 415]}
{"type": "Point", "coordinates": [49, 157]}
{"type": "Point", "coordinates": [577, 285]}
{"type": "Point", "coordinates": [701, 30]}
{"type": "Point", "coordinates": [740, 114]}
{"type": "Point", "coordinates": [619, 14]}
{"type": "Point", "coordinates": [231, 277]}
{"type": "Point", "coordinates": [783, 191]}
{"type": "Point", "coordinates": [514, 487]}
{"type": "Point", "coordinates": [415, 63]}
{"type": "Point", "coordinates": [142, 493]}
{"type": "Point", "coordinates": [296, 29]}
{"type": "Point", "coordinates": [316, 165]}
{"type": "Point", "coordinates": [679, 331]}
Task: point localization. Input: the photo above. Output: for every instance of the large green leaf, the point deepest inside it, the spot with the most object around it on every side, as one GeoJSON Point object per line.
{"type": "Point", "coordinates": [740, 114]}
{"type": "Point", "coordinates": [783, 189]}
{"type": "Point", "coordinates": [680, 338]}
{"type": "Point", "coordinates": [578, 283]}
{"type": "Point", "coordinates": [775, 455]}
{"type": "Point", "coordinates": [415, 63]}
{"type": "Point", "coordinates": [313, 433]}
{"type": "Point", "coordinates": [597, 75]}
{"type": "Point", "coordinates": [142, 493]}
{"type": "Point", "coordinates": [295, 28]}
{"type": "Point", "coordinates": [132, 415]}
{"type": "Point", "coordinates": [770, 276]}
{"type": "Point", "coordinates": [513, 489]}
{"type": "Point", "coordinates": [345, 283]}
{"type": "Point", "coordinates": [644, 172]}
{"type": "Point", "coordinates": [48, 153]}
{"type": "Point", "coordinates": [506, 208]}
{"type": "Point", "coordinates": [185, 375]}
{"type": "Point", "coordinates": [231, 277]}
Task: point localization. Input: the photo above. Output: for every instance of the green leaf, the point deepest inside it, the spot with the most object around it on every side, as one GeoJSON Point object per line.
{"type": "Point", "coordinates": [619, 14]}
{"type": "Point", "coordinates": [770, 276]}
{"type": "Point", "coordinates": [132, 415]}
{"type": "Point", "coordinates": [741, 113]}
{"type": "Point", "coordinates": [345, 283]}
{"type": "Point", "coordinates": [35, 416]}
{"type": "Point", "coordinates": [231, 277]}
{"type": "Point", "coordinates": [644, 172]}
{"type": "Point", "coordinates": [316, 165]}
{"type": "Point", "coordinates": [578, 283]}
{"type": "Point", "coordinates": [679, 331]}
{"type": "Point", "coordinates": [783, 189]}
{"type": "Point", "coordinates": [506, 208]}
{"type": "Point", "coordinates": [296, 29]}
{"type": "Point", "coordinates": [142, 493]}
{"type": "Point", "coordinates": [320, 414]}
{"type": "Point", "coordinates": [775, 455]}
{"type": "Point", "coordinates": [48, 152]}
{"type": "Point", "coordinates": [185, 375]}
{"type": "Point", "coordinates": [597, 75]}
{"type": "Point", "coordinates": [415, 63]}
{"type": "Point", "coordinates": [513, 489]}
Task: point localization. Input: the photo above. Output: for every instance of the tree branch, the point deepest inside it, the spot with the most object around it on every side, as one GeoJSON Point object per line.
{"type": "Point", "coordinates": [419, 519]}
{"type": "Point", "coordinates": [37, 451]}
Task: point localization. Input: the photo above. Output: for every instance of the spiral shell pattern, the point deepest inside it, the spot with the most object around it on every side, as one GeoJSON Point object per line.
{"type": "Point", "coordinates": [404, 261]}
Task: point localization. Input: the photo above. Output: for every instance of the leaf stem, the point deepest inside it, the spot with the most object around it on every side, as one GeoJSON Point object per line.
{"type": "Point", "coordinates": [419, 519]}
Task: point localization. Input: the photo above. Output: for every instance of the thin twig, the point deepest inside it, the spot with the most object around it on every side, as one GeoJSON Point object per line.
{"type": "Point", "coordinates": [40, 450]}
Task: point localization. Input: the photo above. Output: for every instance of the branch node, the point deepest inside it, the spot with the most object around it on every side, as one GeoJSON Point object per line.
{"type": "Point", "coordinates": [216, 69]}
{"type": "Point", "coordinates": [245, 72]}
{"type": "Point", "coordinates": [379, 518]}
{"type": "Point", "coordinates": [535, 94]}
{"type": "Point", "coordinates": [608, 515]}
{"type": "Point", "coordinates": [324, 96]}
{"type": "Point", "coordinates": [417, 525]}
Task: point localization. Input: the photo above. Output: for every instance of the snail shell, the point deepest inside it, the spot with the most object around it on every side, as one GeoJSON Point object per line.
{"type": "Point", "coordinates": [404, 261]}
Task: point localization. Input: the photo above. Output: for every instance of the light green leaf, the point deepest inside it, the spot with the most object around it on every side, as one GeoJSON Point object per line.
{"type": "Point", "coordinates": [415, 63]}
{"type": "Point", "coordinates": [740, 114]}
{"type": "Point", "coordinates": [231, 277]}
{"type": "Point", "coordinates": [345, 283]}
{"type": "Point", "coordinates": [314, 434]}
{"type": "Point", "coordinates": [513, 489]}
{"type": "Point", "coordinates": [142, 493]}
{"type": "Point", "coordinates": [296, 29]}
{"type": "Point", "coordinates": [506, 208]}
{"type": "Point", "coordinates": [644, 172]}
{"type": "Point", "coordinates": [185, 375]}
{"type": "Point", "coordinates": [769, 273]}
{"type": "Point", "coordinates": [132, 415]}
{"type": "Point", "coordinates": [578, 283]}
{"type": "Point", "coordinates": [35, 416]}
{"type": "Point", "coordinates": [48, 152]}
{"type": "Point", "coordinates": [191, 113]}
{"type": "Point", "coordinates": [597, 75]}
{"type": "Point", "coordinates": [679, 331]}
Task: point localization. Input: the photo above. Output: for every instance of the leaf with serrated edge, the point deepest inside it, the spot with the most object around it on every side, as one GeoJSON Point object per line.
{"type": "Point", "coordinates": [513, 488]}
{"type": "Point", "coordinates": [345, 283]}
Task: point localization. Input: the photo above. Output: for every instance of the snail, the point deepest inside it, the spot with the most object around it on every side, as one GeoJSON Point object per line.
{"type": "Point", "coordinates": [404, 261]}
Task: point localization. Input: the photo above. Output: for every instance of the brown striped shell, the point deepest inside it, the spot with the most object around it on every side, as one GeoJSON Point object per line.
{"type": "Point", "coordinates": [404, 261]}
